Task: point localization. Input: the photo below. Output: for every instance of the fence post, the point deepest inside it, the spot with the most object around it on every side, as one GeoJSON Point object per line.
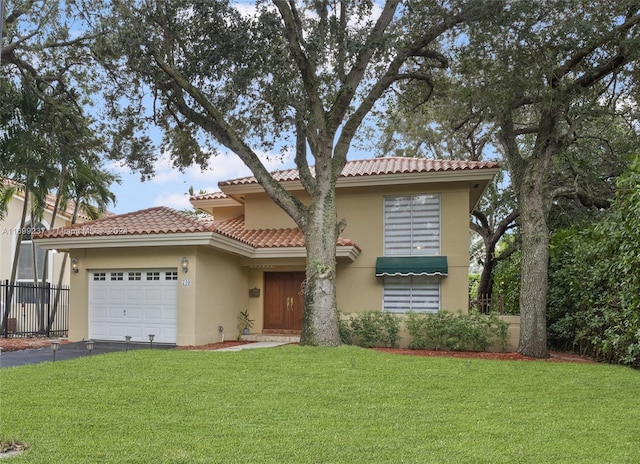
{"type": "Point", "coordinates": [6, 309]}
{"type": "Point", "coordinates": [48, 303]}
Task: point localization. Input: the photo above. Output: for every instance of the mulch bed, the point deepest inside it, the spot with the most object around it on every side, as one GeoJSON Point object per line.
{"type": "Point", "coordinates": [13, 344]}
{"type": "Point", "coordinates": [554, 356]}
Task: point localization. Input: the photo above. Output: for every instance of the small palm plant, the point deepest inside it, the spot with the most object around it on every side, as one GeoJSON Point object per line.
{"type": "Point", "coordinates": [245, 323]}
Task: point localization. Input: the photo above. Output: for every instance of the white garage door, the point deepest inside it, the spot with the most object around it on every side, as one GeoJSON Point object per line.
{"type": "Point", "coordinates": [135, 303]}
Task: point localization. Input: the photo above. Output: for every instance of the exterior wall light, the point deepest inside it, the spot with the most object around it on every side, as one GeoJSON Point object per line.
{"type": "Point", "coordinates": [74, 265]}
{"type": "Point", "coordinates": [55, 344]}
{"type": "Point", "coordinates": [90, 344]}
{"type": "Point", "coordinates": [184, 262]}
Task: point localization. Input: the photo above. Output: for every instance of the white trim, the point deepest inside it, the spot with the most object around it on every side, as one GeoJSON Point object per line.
{"type": "Point", "coordinates": [407, 274]}
{"type": "Point", "coordinates": [213, 202]}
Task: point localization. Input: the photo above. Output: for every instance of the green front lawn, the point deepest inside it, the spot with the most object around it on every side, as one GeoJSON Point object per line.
{"type": "Point", "coordinates": [318, 405]}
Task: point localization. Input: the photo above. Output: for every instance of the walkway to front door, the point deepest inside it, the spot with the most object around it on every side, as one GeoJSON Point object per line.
{"type": "Point", "coordinates": [283, 302]}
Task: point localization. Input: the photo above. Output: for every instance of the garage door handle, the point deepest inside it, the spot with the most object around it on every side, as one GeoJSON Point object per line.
{"type": "Point", "coordinates": [124, 312]}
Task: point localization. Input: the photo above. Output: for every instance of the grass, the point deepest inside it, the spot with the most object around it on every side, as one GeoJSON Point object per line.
{"type": "Point", "coordinates": [318, 405]}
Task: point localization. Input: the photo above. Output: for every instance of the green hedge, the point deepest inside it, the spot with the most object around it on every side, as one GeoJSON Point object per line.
{"type": "Point", "coordinates": [441, 331]}
{"type": "Point", "coordinates": [594, 282]}
{"type": "Point", "coordinates": [464, 332]}
{"type": "Point", "coordinates": [371, 328]}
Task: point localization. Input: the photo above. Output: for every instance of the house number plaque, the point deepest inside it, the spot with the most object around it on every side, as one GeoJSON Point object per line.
{"type": "Point", "coordinates": [186, 282]}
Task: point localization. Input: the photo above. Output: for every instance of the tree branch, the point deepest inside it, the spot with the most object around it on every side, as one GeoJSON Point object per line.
{"type": "Point", "coordinates": [581, 54]}
{"type": "Point", "coordinates": [215, 125]}
{"type": "Point", "coordinates": [305, 66]}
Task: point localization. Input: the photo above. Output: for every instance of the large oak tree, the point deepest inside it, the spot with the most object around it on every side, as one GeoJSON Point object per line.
{"type": "Point", "coordinates": [543, 73]}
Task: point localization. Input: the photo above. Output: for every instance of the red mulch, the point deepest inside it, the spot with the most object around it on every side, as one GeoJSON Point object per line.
{"type": "Point", "coordinates": [554, 356]}
{"type": "Point", "coordinates": [13, 344]}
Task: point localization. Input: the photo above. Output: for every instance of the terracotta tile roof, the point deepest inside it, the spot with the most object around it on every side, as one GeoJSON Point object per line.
{"type": "Point", "coordinates": [51, 201]}
{"type": "Point", "coordinates": [380, 166]}
{"type": "Point", "coordinates": [163, 220]}
{"type": "Point", "coordinates": [158, 220]}
{"type": "Point", "coordinates": [209, 196]}
{"type": "Point", "coordinates": [266, 238]}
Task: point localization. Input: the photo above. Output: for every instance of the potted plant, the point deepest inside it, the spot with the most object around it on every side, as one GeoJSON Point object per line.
{"type": "Point", "coordinates": [245, 323]}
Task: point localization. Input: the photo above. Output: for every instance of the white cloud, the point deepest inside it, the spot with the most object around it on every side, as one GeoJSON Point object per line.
{"type": "Point", "coordinates": [177, 201]}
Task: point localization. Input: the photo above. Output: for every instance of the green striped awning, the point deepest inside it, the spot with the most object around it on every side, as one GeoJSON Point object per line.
{"type": "Point", "coordinates": [412, 266]}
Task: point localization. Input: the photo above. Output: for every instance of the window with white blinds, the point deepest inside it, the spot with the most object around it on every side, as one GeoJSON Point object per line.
{"type": "Point", "coordinates": [412, 225]}
{"type": "Point", "coordinates": [411, 293]}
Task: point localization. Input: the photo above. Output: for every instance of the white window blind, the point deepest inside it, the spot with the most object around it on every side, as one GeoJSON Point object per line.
{"type": "Point", "coordinates": [412, 225]}
{"type": "Point", "coordinates": [411, 293]}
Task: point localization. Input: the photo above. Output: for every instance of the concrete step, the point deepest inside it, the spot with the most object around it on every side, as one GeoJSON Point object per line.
{"type": "Point", "coordinates": [271, 338]}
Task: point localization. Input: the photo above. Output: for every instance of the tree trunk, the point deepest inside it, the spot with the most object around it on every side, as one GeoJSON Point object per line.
{"type": "Point", "coordinates": [535, 260]}
{"type": "Point", "coordinates": [63, 266]}
{"type": "Point", "coordinates": [485, 286]}
{"type": "Point", "coordinates": [320, 322]}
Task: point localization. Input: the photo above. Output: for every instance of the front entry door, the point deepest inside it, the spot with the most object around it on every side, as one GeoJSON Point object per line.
{"type": "Point", "coordinates": [283, 301]}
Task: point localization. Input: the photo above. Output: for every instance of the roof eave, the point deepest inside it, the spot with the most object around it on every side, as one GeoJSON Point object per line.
{"type": "Point", "coordinates": [214, 202]}
{"type": "Point", "coordinates": [374, 180]}
{"type": "Point", "coordinates": [350, 252]}
{"type": "Point", "coordinates": [211, 239]}
{"type": "Point", "coordinates": [121, 241]}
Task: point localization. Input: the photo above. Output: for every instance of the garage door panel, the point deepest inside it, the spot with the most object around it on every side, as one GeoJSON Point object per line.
{"type": "Point", "coordinates": [136, 307]}
{"type": "Point", "coordinates": [135, 314]}
{"type": "Point", "coordinates": [135, 294]}
{"type": "Point", "coordinates": [153, 295]}
{"type": "Point", "coordinates": [115, 314]}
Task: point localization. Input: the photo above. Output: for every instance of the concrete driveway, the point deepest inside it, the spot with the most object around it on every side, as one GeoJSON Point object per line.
{"type": "Point", "coordinates": [69, 351]}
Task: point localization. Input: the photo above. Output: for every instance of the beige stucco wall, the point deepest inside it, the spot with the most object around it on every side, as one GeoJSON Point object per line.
{"type": "Point", "coordinates": [262, 213]}
{"type": "Point", "coordinates": [357, 287]}
{"type": "Point", "coordinates": [220, 294]}
{"type": "Point", "coordinates": [513, 332]}
{"type": "Point", "coordinates": [220, 214]}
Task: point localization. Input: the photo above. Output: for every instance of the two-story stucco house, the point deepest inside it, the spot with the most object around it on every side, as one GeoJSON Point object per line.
{"type": "Point", "coordinates": [186, 279]}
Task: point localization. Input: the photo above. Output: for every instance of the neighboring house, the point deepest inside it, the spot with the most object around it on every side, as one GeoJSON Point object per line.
{"type": "Point", "coordinates": [185, 279]}
{"type": "Point", "coordinates": [22, 317]}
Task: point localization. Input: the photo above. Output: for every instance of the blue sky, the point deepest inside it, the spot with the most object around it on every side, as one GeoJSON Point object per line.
{"type": "Point", "coordinates": [169, 186]}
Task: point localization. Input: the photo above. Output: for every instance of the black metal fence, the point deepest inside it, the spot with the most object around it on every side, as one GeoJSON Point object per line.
{"type": "Point", "coordinates": [35, 309]}
{"type": "Point", "coordinates": [486, 304]}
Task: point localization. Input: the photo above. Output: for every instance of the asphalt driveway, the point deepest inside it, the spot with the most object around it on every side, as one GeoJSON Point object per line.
{"type": "Point", "coordinates": [69, 351]}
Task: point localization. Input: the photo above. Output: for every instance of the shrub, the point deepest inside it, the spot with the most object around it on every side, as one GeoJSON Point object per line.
{"type": "Point", "coordinates": [371, 328]}
{"type": "Point", "coordinates": [594, 303]}
{"type": "Point", "coordinates": [466, 332]}
{"type": "Point", "coordinates": [506, 282]}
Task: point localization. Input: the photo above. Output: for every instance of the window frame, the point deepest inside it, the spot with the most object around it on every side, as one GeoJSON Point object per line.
{"type": "Point", "coordinates": [412, 248]}
{"type": "Point", "coordinates": [24, 242]}
{"type": "Point", "coordinates": [418, 287]}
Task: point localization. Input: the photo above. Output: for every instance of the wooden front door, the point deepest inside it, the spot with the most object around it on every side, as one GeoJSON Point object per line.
{"type": "Point", "coordinates": [283, 301]}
